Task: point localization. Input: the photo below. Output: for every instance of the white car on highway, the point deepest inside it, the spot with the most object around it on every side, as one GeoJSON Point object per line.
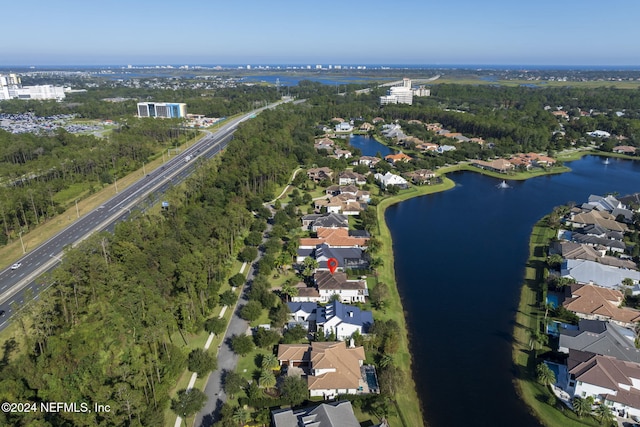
{"type": "Point", "coordinates": [16, 266]}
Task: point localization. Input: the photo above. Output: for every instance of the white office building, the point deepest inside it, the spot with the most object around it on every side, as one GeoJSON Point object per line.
{"type": "Point", "coordinates": [399, 94]}
{"type": "Point", "coordinates": [11, 88]}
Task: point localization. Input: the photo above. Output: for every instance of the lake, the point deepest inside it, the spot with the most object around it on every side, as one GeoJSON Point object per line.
{"type": "Point", "coordinates": [369, 146]}
{"type": "Point", "coordinates": [459, 258]}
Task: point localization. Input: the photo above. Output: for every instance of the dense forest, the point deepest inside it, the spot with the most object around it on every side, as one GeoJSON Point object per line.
{"type": "Point", "coordinates": [36, 168]}
{"type": "Point", "coordinates": [104, 333]}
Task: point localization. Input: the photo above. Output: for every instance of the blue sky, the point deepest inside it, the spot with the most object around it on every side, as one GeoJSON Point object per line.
{"type": "Point", "coordinates": [137, 32]}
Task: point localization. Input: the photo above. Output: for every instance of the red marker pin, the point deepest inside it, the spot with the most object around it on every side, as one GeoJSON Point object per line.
{"type": "Point", "coordinates": [332, 263]}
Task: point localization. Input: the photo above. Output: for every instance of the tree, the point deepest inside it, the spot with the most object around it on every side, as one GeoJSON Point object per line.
{"type": "Point", "coordinates": [294, 390]}
{"type": "Point", "coordinates": [240, 415]}
{"type": "Point", "coordinates": [254, 238]}
{"type": "Point", "coordinates": [582, 405]}
{"type": "Point", "coordinates": [605, 415]}
{"type": "Point", "coordinates": [188, 402]}
{"type": "Point", "coordinates": [215, 325]}
{"type": "Point", "coordinates": [201, 362]}
{"type": "Point", "coordinates": [379, 294]}
{"type": "Point", "coordinates": [248, 254]}
{"type": "Point", "coordinates": [242, 344]}
{"type": "Point", "coordinates": [545, 375]}
{"type": "Point", "coordinates": [289, 290]}
{"type": "Point", "coordinates": [309, 266]}
{"type": "Point", "coordinates": [391, 380]}
{"type": "Point", "coordinates": [228, 298]}
{"type": "Point", "coordinates": [265, 338]}
{"type": "Point", "coordinates": [237, 280]}
{"type": "Point", "coordinates": [232, 383]}
{"type": "Point", "coordinates": [251, 311]}
{"type": "Point", "coordinates": [293, 335]}
{"type": "Point", "coordinates": [267, 379]}
{"type": "Point", "coordinates": [269, 361]}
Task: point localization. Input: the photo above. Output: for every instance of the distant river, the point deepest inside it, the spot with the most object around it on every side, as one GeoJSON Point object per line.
{"type": "Point", "coordinates": [459, 259]}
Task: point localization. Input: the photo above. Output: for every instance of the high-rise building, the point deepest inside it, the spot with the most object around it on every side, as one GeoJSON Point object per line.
{"type": "Point", "coordinates": [170, 110]}
{"type": "Point", "coordinates": [399, 94]}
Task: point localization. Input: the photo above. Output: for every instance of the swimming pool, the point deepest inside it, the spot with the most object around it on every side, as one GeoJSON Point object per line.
{"type": "Point", "coordinates": [552, 300]}
{"type": "Point", "coordinates": [371, 378]}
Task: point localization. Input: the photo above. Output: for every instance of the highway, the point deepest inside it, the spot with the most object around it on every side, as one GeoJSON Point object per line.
{"type": "Point", "coordinates": [14, 283]}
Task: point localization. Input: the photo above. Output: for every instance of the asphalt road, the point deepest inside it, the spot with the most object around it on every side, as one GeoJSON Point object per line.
{"type": "Point", "coordinates": [13, 283]}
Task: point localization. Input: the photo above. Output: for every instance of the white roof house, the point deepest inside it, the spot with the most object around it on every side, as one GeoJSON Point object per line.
{"type": "Point", "coordinates": [390, 179]}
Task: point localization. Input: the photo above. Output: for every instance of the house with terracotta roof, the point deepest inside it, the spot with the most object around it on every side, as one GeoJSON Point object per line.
{"type": "Point", "coordinates": [400, 157]}
{"type": "Point", "coordinates": [334, 237]}
{"type": "Point", "coordinates": [331, 367]}
{"type": "Point", "coordinates": [561, 114]}
{"type": "Point", "coordinates": [624, 149]}
{"type": "Point", "coordinates": [598, 303]}
{"type": "Point", "coordinates": [608, 380]}
{"type": "Point", "coordinates": [498, 165]}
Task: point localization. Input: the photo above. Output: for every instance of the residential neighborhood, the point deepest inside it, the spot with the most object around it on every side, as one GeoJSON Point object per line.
{"type": "Point", "coordinates": [591, 309]}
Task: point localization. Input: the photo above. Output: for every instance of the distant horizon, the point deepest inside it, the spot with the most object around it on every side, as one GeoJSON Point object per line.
{"type": "Point", "coordinates": [284, 66]}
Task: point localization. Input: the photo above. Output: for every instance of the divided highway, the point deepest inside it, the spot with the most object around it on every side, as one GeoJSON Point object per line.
{"type": "Point", "coordinates": [14, 282]}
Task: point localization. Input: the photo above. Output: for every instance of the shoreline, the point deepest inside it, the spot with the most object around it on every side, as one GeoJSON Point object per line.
{"type": "Point", "coordinates": [408, 400]}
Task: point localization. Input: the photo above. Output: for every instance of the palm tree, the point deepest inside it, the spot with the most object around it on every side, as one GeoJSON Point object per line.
{"type": "Point", "coordinates": [267, 379]}
{"type": "Point", "coordinates": [269, 361]}
{"type": "Point", "coordinates": [605, 414]}
{"type": "Point", "coordinates": [582, 405]}
{"type": "Point", "coordinates": [289, 290]}
{"type": "Point", "coordinates": [545, 375]}
{"type": "Point", "coordinates": [240, 415]}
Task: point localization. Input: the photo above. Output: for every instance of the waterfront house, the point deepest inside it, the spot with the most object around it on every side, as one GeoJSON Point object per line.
{"type": "Point", "coordinates": [624, 149]}
{"type": "Point", "coordinates": [599, 337]}
{"type": "Point", "coordinates": [391, 179]}
{"type": "Point", "coordinates": [328, 220]}
{"type": "Point", "coordinates": [498, 165]}
{"type": "Point", "coordinates": [349, 291]}
{"type": "Point", "coordinates": [331, 414]}
{"type": "Point", "coordinates": [606, 379]}
{"type": "Point", "coordinates": [368, 161]}
{"type": "Point", "coordinates": [334, 237]}
{"type": "Point", "coordinates": [598, 303]}
{"type": "Point", "coordinates": [331, 367]}
{"type": "Point", "coordinates": [344, 127]}
{"type": "Point", "coordinates": [342, 320]}
{"type": "Point", "coordinates": [400, 157]}
{"type": "Point", "coordinates": [596, 217]}
{"type": "Point", "coordinates": [586, 271]}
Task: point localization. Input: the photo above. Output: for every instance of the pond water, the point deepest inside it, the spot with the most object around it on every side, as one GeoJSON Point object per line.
{"type": "Point", "coordinates": [459, 260]}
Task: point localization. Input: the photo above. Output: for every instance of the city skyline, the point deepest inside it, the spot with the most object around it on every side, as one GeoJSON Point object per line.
{"type": "Point", "coordinates": [286, 32]}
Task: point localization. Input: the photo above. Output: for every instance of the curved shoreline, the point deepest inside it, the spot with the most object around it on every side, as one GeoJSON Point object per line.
{"type": "Point", "coordinates": [408, 401]}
